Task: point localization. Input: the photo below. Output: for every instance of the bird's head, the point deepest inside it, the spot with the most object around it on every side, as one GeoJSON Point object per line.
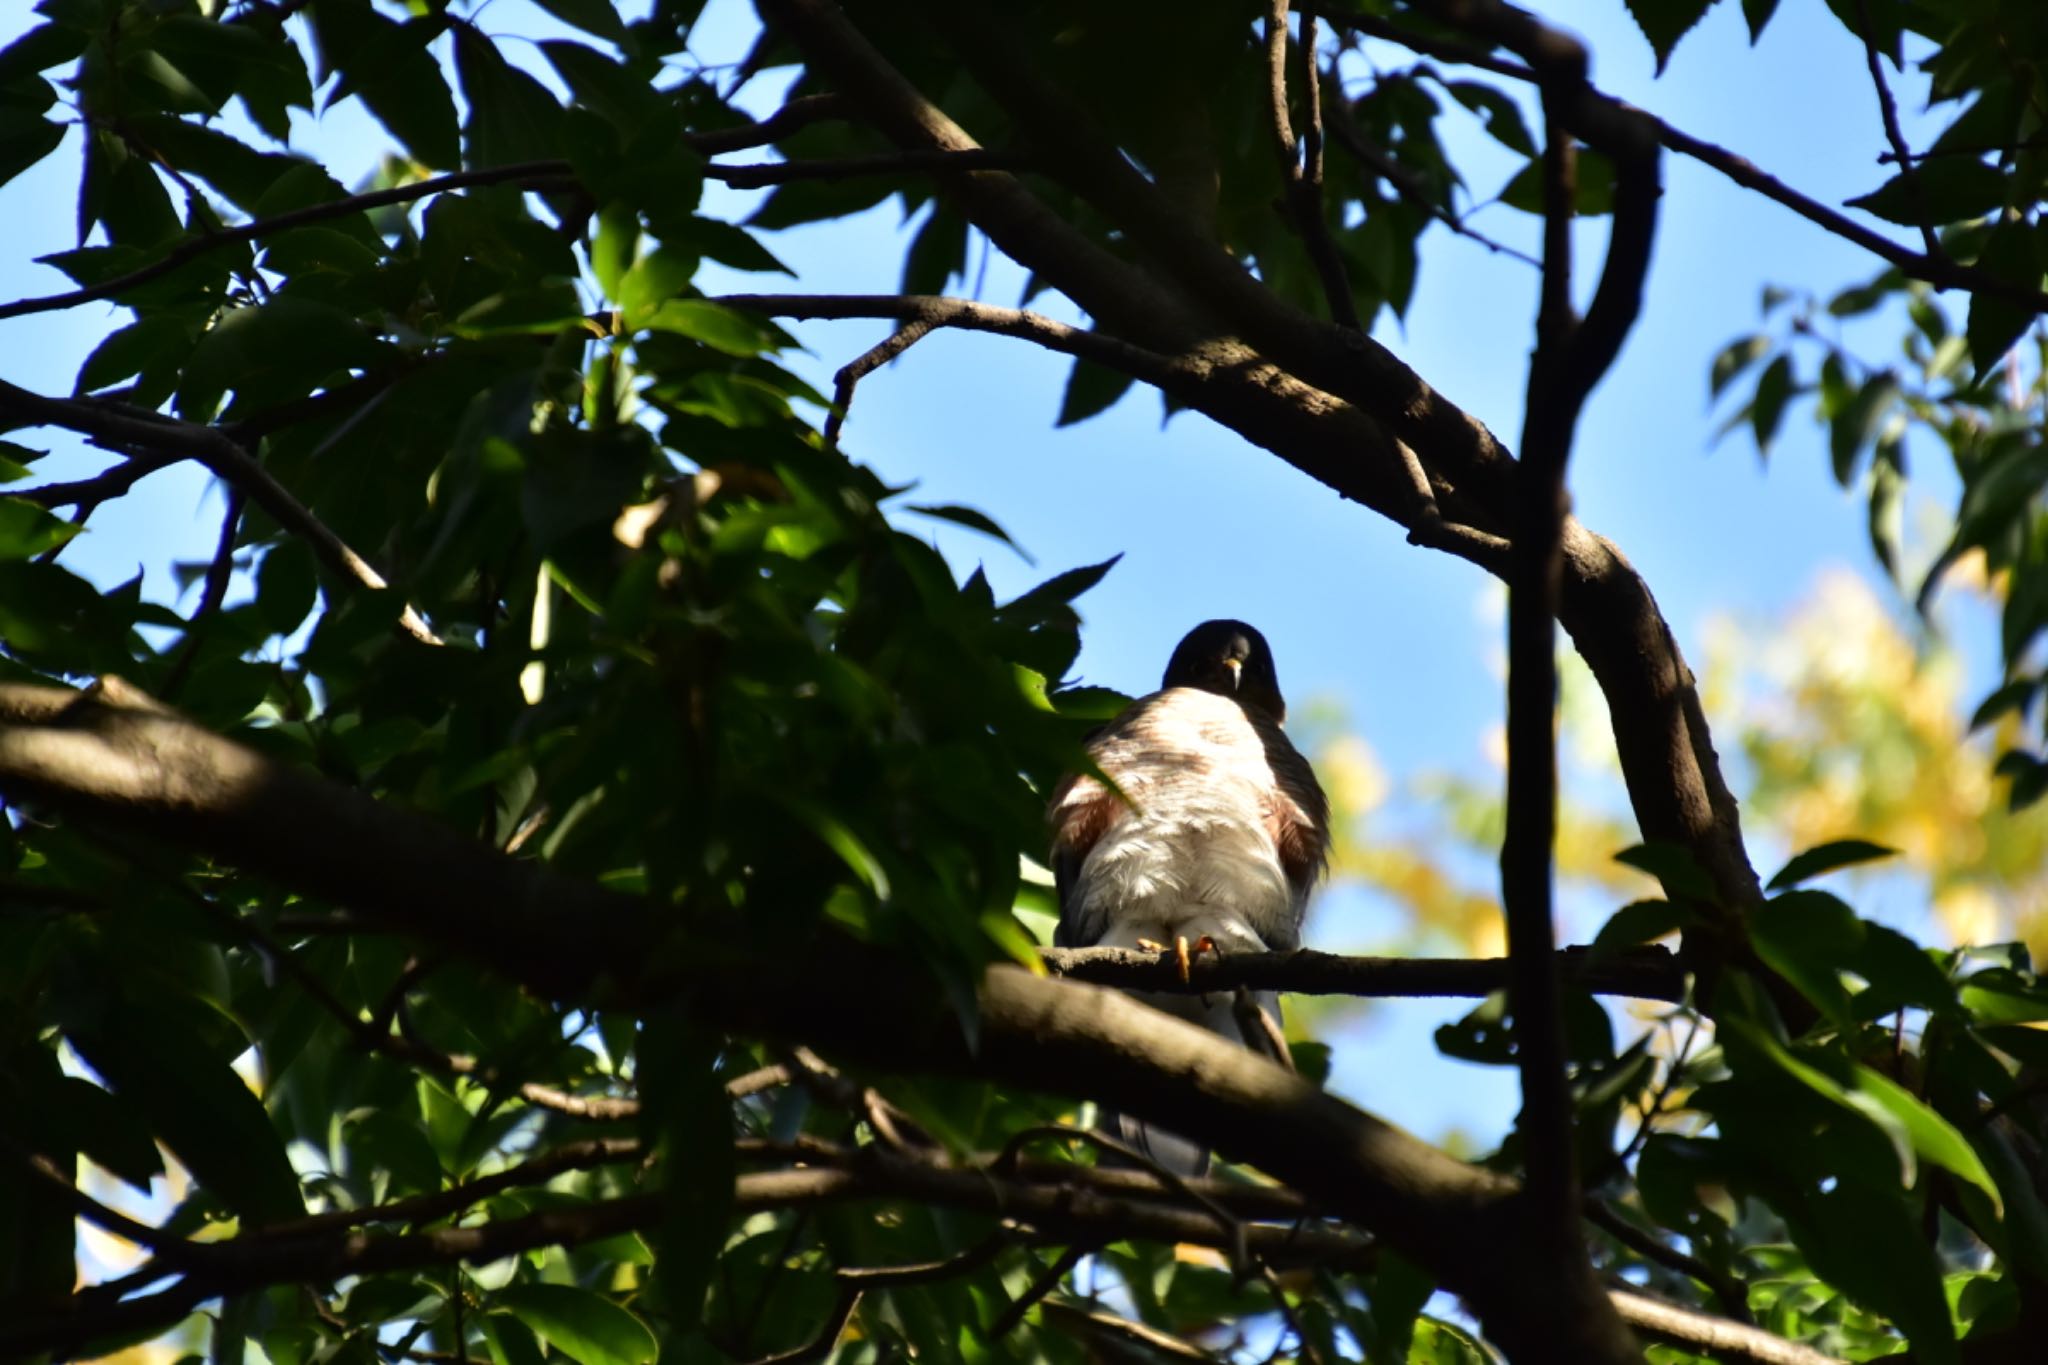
{"type": "Point", "coordinates": [1231, 659]}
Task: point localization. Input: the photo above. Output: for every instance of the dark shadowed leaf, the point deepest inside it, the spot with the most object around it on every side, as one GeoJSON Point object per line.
{"type": "Point", "coordinates": [1935, 192]}
{"type": "Point", "coordinates": [1767, 409]}
{"type": "Point", "coordinates": [198, 1107]}
{"type": "Point", "coordinates": [26, 529]}
{"type": "Point", "coordinates": [1664, 22]}
{"type": "Point", "coordinates": [1825, 858]}
{"type": "Point", "coordinates": [1091, 390]}
{"type": "Point", "coordinates": [583, 1326]}
{"type": "Point", "coordinates": [1637, 923]}
{"type": "Point", "coordinates": [1996, 323]}
{"type": "Point", "coordinates": [970, 518]}
{"type": "Point", "coordinates": [1672, 865]}
{"type": "Point", "coordinates": [1594, 194]}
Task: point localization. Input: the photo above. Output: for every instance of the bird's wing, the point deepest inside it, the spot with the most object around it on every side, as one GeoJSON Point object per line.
{"type": "Point", "coordinates": [1081, 809]}
{"type": "Point", "coordinates": [1298, 818]}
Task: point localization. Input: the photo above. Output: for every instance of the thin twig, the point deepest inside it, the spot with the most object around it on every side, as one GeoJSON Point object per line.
{"type": "Point", "coordinates": [1352, 138]}
{"type": "Point", "coordinates": [1301, 162]}
{"type": "Point", "coordinates": [1308, 1349]}
{"type": "Point", "coordinates": [172, 1249]}
{"type": "Point", "coordinates": [1260, 1031]}
{"type": "Point", "coordinates": [1006, 1162]}
{"type": "Point", "coordinates": [801, 112]}
{"type": "Point", "coordinates": [527, 172]}
{"type": "Point", "coordinates": [87, 494]}
{"type": "Point", "coordinates": [1888, 111]}
{"type": "Point", "coordinates": [219, 573]}
{"type": "Point", "coordinates": [1043, 1283]}
{"type": "Point", "coordinates": [1727, 1291]}
{"type": "Point", "coordinates": [851, 373]}
{"type": "Point", "coordinates": [937, 311]}
{"type": "Point", "coordinates": [874, 163]}
{"type": "Point", "coordinates": [1090, 1321]}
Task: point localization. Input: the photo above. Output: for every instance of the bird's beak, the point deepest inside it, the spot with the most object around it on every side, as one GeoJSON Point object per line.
{"type": "Point", "coordinates": [1236, 667]}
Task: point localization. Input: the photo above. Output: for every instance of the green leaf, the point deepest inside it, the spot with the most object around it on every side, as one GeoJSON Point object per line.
{"type": "Point", "coordinates": [153, 1057]}
{"type": "Point", "coordinates": [1757, 14]}
{"type": "Point", "coordinates": [131, 350]}
{"type": "Point", "coordinates": [971, 519]}
{"type": "Point", "coordinates": [584, 1326]}
{"type": "Point", "coordinates": [1091, 389]}
{"type": "Point", "coordinates": [1498, 110]}
{"type": "Point", "coordinates": [1870, 1245]}
{"type": "Point", "coordinates": [512, 116]}
{"type": "Point", "coordinates": [1996, 323]}
{"type": "Point", "coordinates": [388, 67]}
{"type": "Point", "coordinates": [25, 139]}
{"type": "Point", "coordinates": [1807, 937]}
{"type": "Point", "coordinates": [1593, 194]}
{"type": "Point", "coordinates": [1733, 359]}
{"type": "Point", "coordinates": [1933, 1137]}
{"type": "Point", "coordinates": [1767, 409]}
{"type": "Point", "coordinates": [1673, 865]}
{"type": "Point", "coordinates": [720, 328]}
{"type": "Point", "coordinates": [287, 586]}
{"type": "Point", "coordinates": [27, 530]}
{"type": "Point", "coordinates": [1637, 923]}
{"type": "Point", "coordinates": [687, 1119]}
{"type": "Point", "coordinates": [1824, 858]}
{"type": "Point", "coordinates": [1936, 192]}
{"type": "Point", "coordinates": [2013, 698]}
{"type": "Point", "coordinates": [1664, 22]}
{"type": "Point", "coordinates": [1063, 588]}
{"type": "Point", "coordinates": [599, 18]}
{"type": "Point", "coordinates": [1856, 425]}
{"type": "Point", "coordinates": [1399, 1291]}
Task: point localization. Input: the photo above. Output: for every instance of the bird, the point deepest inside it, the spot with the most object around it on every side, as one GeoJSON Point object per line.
{"type": "Point", "coordinates": [1212, 838]}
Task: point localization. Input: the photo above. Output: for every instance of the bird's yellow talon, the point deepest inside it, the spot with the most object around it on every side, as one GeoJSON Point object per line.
{"type": "Point", "coordinates": [1180, 956]}
{"type": "Point", "coordinates": [1151, 945]}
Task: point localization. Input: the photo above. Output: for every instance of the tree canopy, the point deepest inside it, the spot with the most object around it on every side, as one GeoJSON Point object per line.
{"type": "Point", "coordinates": [580, 901]}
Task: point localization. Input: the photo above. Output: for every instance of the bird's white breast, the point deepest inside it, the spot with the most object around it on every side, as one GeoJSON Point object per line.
{"type": "Point", "coordinates": [1193, 854]}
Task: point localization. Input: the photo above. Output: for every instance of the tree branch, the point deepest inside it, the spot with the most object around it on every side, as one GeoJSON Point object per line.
{"type": "Point", "coordinates": [1333, 404]}
{"type": "Point", "coordinates": [877, 163]}
{"type": "Point", "coordinates": [1888, 113]}
{"type": "Point", "coordinates": [1935, 268]}
{"type": "Point", "coordinates": [1643, 973]}
{"type": "Point", "coordinates": [1701, 1332]}
{"type": "Point", "coordinates": [124, 426]}
{"type": "Point", "coordinates": [522, 173]}
{"type": "Point", "coordinates": [1301, 162]}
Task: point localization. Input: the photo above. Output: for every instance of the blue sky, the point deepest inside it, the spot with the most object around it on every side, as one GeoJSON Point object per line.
{"type": "Point", "coordinates": [1403, 639]}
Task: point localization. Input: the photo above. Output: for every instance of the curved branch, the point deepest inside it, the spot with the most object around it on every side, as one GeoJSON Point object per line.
{"type": "Point", "coordinates": [125, 427]}
{"type": "Point", "coordinates": [1335, 405]}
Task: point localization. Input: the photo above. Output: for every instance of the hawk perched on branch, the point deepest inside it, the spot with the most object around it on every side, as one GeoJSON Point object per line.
{"type": "Point", "coordinates": [1217, 837]}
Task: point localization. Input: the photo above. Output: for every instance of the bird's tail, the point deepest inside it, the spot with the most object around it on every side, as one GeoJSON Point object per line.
{"type": "Point", "coordinates": [1217, 1013]}
{"type": "Point", "coordinates": [1169, 1151]}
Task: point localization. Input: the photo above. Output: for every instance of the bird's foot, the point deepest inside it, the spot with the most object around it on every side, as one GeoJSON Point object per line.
{"type": "Point", "coordinates": [1183, 955]}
